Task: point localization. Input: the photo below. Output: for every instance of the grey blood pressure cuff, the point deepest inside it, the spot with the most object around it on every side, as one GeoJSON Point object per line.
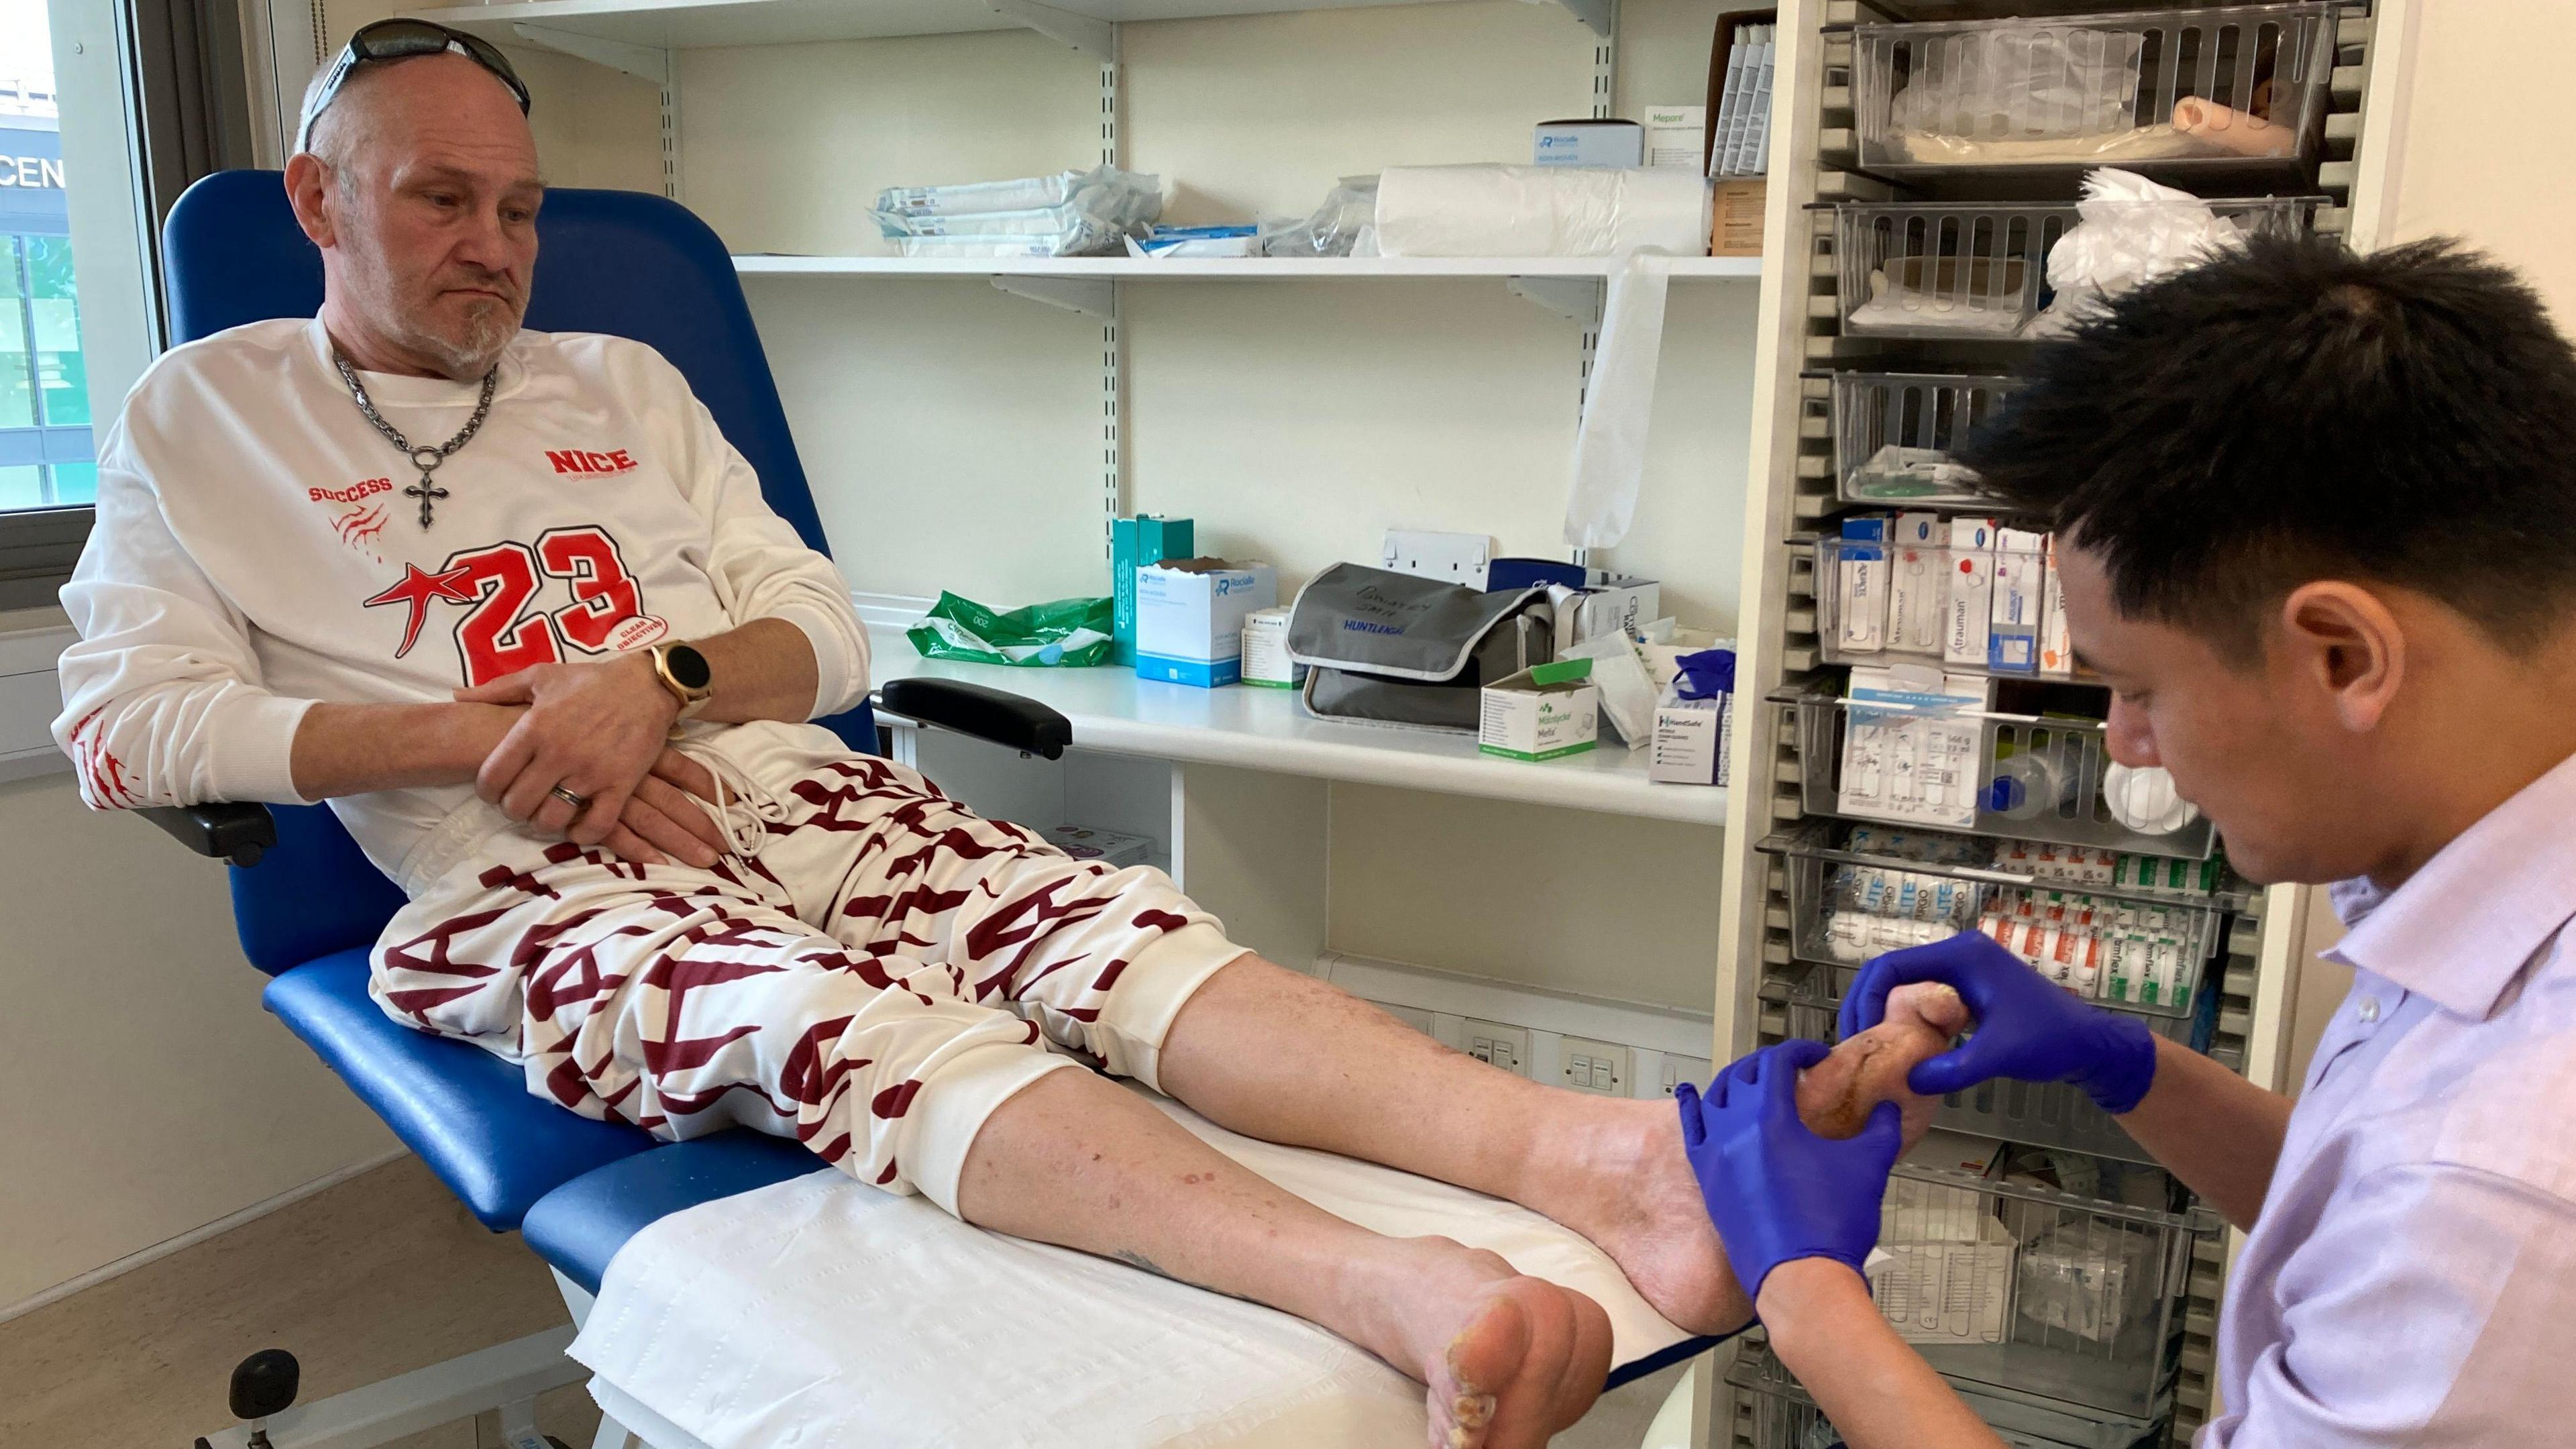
{"type": "Point", "coordinates": [1398, 649]}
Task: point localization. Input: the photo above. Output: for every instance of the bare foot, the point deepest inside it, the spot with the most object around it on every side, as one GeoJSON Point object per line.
{"type": "Point", "coordinates": [1836, 1095]}
{"type": "Point", "coordinates": [1615, 1172]}
{"type": "Point", "coordinates": [1506, 1361]}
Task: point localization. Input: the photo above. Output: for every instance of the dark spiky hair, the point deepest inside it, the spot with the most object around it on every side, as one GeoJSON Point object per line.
{"type": "Point", "coordinates": [2295, 412]}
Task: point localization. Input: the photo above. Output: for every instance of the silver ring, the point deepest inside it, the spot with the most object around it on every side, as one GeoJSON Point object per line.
{"type": "Point", "coordinates": [577, 802]}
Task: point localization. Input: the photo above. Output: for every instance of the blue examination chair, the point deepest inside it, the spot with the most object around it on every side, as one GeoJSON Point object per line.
{"type": "Point", "coordinates": [308, 904]}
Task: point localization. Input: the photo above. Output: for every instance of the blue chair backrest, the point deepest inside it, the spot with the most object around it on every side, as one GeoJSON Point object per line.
{"type": "Point", "coordinates": [620, 262]}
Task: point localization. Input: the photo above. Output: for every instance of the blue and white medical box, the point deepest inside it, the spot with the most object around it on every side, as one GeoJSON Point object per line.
{"type": "Point", "coordinates": [1189, 618]}
{"type": "Point", "coordinates": [1588, 142]}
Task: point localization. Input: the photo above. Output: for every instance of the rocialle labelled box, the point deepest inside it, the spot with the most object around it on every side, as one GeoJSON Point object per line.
{"type": "Point", "coordinates": [1189, 618]}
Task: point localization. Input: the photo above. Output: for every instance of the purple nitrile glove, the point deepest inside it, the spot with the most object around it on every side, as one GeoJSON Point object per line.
{"type": "Point", "coordinates": [2028, 1028]}
{"type": "Point", "coordinates": [1777, 1191]}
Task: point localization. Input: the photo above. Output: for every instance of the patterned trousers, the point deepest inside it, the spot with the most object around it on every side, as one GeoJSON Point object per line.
{"type": "Point", "coordinates": [873, 977]}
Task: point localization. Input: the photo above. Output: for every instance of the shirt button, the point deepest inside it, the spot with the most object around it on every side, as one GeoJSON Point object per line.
{"type": "Point", "coordinates": [2369, 1009]}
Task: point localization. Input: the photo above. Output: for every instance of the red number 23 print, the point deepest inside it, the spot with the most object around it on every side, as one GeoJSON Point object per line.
{"type": "Point", "coordinates": [497, 638]}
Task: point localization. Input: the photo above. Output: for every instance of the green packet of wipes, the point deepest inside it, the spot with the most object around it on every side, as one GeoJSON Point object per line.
{"type": "Point", "coordinates": [1065, 633]}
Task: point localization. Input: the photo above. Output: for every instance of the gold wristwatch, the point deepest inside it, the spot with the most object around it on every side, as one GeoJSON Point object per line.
{"type": "Point", "coordinates": [684, 672]}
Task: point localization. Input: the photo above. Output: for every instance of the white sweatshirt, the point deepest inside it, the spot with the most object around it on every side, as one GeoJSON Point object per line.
{"type": "Point", "coordinates": [255, 553]}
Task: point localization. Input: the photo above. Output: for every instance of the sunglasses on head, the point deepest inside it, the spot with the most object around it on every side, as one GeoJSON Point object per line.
{"type": "Point", "coordinates": [401, 40]}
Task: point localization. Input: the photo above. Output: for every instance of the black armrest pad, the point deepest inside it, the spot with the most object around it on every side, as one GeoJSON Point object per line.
{"type": "Point", "coordinates": [1004, 719]}
{"type": "Point", "coordinates": [238, 831]}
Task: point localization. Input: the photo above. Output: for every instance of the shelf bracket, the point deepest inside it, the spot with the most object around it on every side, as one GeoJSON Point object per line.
{"type": "Point", "coordinates": [1092, 297]}
{"type": "Point", "coordinates": [1100, 37]}
{"type": "Point", "coordinates": [1577, 299]}
{"type": "Point", "coordinates": [1599, 14]}
{"type": "Point", "coordinates": [643, 62]}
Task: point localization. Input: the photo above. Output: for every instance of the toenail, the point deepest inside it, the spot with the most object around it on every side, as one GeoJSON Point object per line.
{"type": "Point", "coordinates": [1472, 1410]}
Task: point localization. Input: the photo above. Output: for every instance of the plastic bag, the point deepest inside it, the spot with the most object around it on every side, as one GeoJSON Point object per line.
{"type": "Point", "coordinates": [1194, 241]}
{"type": "Point", "coordinates": [1069, 214]}
{"type": "Point", "coordinates": [2132, 231]}
{"type": "Point", "coordinates": [1083, 239]}
{"type": "Point", "coordinates": [1126, 196]}
{"type": "Point", "coordinates": [2033, 81]}
{"type": "Point", "coordinates": [1627, 688]}
{"type": "Point", "coordinates": [1067, 632]}
{"type": "Point", "coordinates": [1082, 212]}
{"type": "Point", "coordinates": [1344, 226]}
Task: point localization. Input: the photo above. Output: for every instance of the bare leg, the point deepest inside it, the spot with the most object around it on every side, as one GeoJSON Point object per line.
{"type": "Point", "coordinates": [1286, 1058]}
{"type": "Point", "coordinates": [1271, 1054]}
{"type": "Point", "coordinates": [1080, 1162]}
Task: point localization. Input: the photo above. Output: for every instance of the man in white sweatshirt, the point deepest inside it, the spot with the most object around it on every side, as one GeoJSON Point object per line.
{"type": "Point", "coordinates": [463, 580]}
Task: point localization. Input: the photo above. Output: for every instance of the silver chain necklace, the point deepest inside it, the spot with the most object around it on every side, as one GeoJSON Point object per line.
{"type": "Point", "coordinates": [425, 458]}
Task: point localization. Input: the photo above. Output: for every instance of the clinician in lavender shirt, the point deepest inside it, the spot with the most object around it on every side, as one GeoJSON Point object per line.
{"type": "Point", "coordinates": [2318, 517]}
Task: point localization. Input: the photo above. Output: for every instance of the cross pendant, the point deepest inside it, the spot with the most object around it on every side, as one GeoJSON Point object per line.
{"type": "Point", "coordinates": [425, 491]}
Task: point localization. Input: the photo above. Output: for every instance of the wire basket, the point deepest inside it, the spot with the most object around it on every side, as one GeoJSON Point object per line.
{"type": "Point", "coordinates": [1847, 905]}
{"type": "Point", "coordinates": [1939, 769]}
{"type": "Point", "coordinates": [2035, 1114]}
{"type": "Point", "coordinates": [1894, 433]}
{"type": "Point", "coordinates": [1977, 271]}
{"type": "Point", "coordinates": [1772, 1411]}
{"type": "Point", "coordinates": [2234, 91]}
{"type": "Point", "coordinates": [1891, 601]}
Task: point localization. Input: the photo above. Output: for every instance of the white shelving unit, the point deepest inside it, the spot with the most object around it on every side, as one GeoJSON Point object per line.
{"type": "Point", "coordinates": [1799, 340]}
{"type": "Point", "coordinates": [682, 24]}
{"type": "Point", "coordinates": [1235, 269]}
{"type": "Point", "coordinates": [1114, 712]}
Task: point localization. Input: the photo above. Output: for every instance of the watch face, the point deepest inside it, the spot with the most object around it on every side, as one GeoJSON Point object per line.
{"type": "Point", "coordinates": [688, 666]}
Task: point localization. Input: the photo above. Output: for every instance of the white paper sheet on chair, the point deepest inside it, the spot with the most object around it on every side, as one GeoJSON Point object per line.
{"type": "Point", "coordinates": [823, 1312]}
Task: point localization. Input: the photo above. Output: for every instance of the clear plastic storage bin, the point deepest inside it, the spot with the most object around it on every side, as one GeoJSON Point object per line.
{"type": "Point", "coordinates": [1976, 271]}
{"type": "Point", "coordinates": [2073, 1302]}
{"type": "Point", "coordinates": [2141, 952]}
{"type": "Point", "coordinates": [1992, 774]}
{"type": "Point", "coordinates": [1774, 1412]}
{"type": "Point", "coordinates": [2225, 91]}
{"type": "Point", "coordinates": [1894, 433]}
{"type": "Point", "coordinates": [2034, 1114]}
{"type": "Point", "coordinates": [1888, 602]}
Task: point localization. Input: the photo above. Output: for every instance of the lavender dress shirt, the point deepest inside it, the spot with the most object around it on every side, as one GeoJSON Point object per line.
{"type": "Point", "coordinates": [2412, 1280]}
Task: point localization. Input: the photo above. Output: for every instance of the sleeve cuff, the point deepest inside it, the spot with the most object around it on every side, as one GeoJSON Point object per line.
{"type": "Point", "coordinates": [253, 750]}
{"type": "Point", "coordinates": [840, 655]}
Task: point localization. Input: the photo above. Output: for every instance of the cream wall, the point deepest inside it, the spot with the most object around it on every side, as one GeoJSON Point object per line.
{"type": "Point", "coordinates": [148, 1092]}
{"type": "Point", "coordinates": [952, 432]}
{"type": "Point", "coordinates": [2480, 155]}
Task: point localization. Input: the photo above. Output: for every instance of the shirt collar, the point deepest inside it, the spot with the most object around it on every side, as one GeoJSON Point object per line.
{"type": "Point", "coordinates": [2461, 929]}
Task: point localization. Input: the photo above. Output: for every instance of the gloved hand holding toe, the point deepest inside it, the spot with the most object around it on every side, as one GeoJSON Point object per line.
{"type": "Point", "coordinates": [1776, 1190]}
{"type": "Point", "coordinates": [2028, 1027]}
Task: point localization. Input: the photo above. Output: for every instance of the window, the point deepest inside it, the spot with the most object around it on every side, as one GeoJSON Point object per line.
{"type": "Point", "coordinates": [108, 109]}
{"type": "Point", "coordinates": [46, 450]}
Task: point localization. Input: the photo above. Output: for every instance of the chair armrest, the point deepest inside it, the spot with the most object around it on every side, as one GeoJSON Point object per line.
{"type": "Point", "coordinates": [1009, 720]}
{"type": "Point", "coordinates": [237, 831]}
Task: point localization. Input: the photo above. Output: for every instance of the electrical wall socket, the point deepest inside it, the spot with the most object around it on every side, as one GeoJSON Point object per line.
{"type": "Point", "coordinates": [1452, 558]}
{"type": "Point", "coordinates": [1417, 1019]}
{"type": "Point", "coordinates": [1597, 1067]}
{"type": "Point", "coordinates": [1679, 1069]}
{"type": "Point", "coordinates": [1507, 1047]}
